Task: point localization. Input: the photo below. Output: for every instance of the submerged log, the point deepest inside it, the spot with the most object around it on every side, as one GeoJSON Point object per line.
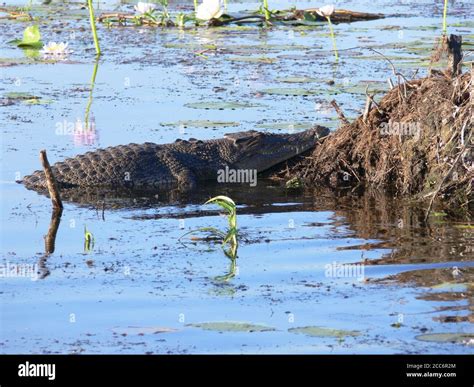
{"type": "Point", "coordinates": [305, 16]}
{"type": "Point", "coordinates": [339, 15]}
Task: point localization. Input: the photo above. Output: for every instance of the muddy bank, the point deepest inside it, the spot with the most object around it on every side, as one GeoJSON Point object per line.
{"type": "Point", "coordinates": [415, 142]}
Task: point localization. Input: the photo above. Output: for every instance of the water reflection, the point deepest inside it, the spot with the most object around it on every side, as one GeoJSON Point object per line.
{"type": "Point", "coordinates": [49, 242]}
{"type": "Point", "coordinates": [85, 132]}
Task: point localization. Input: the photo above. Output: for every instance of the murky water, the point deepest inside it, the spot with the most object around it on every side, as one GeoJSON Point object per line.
{"type": "Point", "coordinates": [141, 288]}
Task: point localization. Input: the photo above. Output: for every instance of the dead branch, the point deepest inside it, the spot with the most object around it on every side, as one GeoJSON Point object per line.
{"type": "Point", "coordinates": [51, 182]}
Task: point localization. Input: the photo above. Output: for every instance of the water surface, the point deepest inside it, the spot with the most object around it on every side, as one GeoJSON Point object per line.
{"type": "Point", "coordinates": [140, 289]}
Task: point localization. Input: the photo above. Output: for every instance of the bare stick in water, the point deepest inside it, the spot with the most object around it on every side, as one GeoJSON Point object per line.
{"type": "Point", "coordinates": [339, 112]}
{"type": "Point", "coordinates": [454, 47]}
{"type": "Point", "coordinates": [51, 181]}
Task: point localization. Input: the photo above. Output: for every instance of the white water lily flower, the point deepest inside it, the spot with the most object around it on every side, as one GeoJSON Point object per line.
{"type": "Point", "coordinates": [143, 8]}
{"type": "Point", "coordinates": [209, 9]}
{"type": "Point", "coordinates": [55, 50]}
{"type": "Point", "coordinates": [326, 11]}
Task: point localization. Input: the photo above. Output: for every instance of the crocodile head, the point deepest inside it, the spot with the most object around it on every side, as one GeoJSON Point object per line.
{"type": "Point", "coordinates": [261, 151]}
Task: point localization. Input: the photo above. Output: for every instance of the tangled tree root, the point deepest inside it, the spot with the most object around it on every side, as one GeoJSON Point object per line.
{"type": "Point", "coordinates": [417, 142]}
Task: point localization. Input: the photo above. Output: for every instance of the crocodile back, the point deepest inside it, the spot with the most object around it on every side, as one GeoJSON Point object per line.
{"type": "Point", "coordinates": [122, 165]}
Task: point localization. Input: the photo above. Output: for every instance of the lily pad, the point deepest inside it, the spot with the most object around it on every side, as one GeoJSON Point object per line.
{"type": "Point", "coordinates": [20, 95]}
{"type": "Point", "coordinates": [252, 59]}
{"type": "Point", "coordinates": [286, 125]}
{"type": "Point", "coordinates": [7, 62]}
{"type": "Point", "coordinates": [38, 101]}
{"type": "Point", "coordinates": [232, 326]}
{"type": "Point", "coordinates": [458, 338]}
{"type": "Point", "coordinates": [264, 48]}
{"type": "Point", "coordinates": [31, 38]}
{"type": "Point", "coordinates": [360, 88]}
{"type": "Point", "coordinates": [192, 46]}
{"type": "Point", "coordinates": [297, 79]}
{"type": "Point", "coordinates": [27, 98]}
{"type": "Point", "coordinates": [202, 124]}
{"type": "Point", "coordinates": [221, 105]}
{"type": "Point", "coordinates": [315, 331]}
{"type": "Point", "coordinates": [132, 330]}
{"type": "Point", "coordinates": [288, 91]}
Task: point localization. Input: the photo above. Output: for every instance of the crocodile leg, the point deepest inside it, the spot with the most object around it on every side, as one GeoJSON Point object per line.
{"type": "Point", "coordinates": [185, 177]}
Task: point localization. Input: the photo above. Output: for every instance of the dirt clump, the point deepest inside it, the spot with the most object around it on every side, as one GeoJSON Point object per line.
{"type": "Point", "coordinates": [416, 141]}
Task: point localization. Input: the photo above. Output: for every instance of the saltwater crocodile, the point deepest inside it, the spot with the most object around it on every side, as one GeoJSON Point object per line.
{"type": "Point", "coordinates": [182, 163]}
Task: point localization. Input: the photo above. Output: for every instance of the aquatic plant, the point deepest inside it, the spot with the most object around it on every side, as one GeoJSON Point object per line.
{"type": "Point", "coordinates": [209, 9]}
{"type": "Point", "coordinates": [144, 8]}
{"type": "Point", "coordinates": [445, 13]}
{"type": "Point", "coordinates": [147, 14]}
{"type": "Point", "coordinates": [266, 11]}
{"type": "Point", "coordinates": [213, 13]}
{"type": "Point", "coordinates": [165, 16]}
{"type": "Point", "coordinates": [326, 12]}
{"type": "Point", "coordinates": [229, 237]}
{"type": "Point", "coordinates": [56, 51]}
{"type": "Point", "coordinates": [181, 19]}
{"type": "Point", "coordinates": [27, 8]}
{"type": "Point", "coordinates": [87, 127]}
{"type": "Point", "coordinates": [88, 240]}
{"type": "Point", "coordinates": [93, 27]}
{"type": "Point", "coordinates": [294, 183]}
{"type": "Point", "coordinates": [31, 38]}
{"type": "Point", "coordinates": [229, 205]}
{"type": "Point", "coordinates": [231, 253]}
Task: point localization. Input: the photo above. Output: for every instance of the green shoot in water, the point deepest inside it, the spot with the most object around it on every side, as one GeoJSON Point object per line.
{"type": "Point", "coordinates": [88, 240]}
{"type": "Point", "coordinates": [27, 8]}
{"type": "Point", "coordinates": [231, 253]}
{"type": "Point", "coordinates": [227, 204]}
{"type": "Point", "coordinates": [93, 27]}
{"type": "Point", "coordinates": [445, 13]}
{"type": "Point", "coordinates": [91, 93]}
{"type": "Point", "coordinates": [181, 20]}
{"type": "Point", "coordinates": [266, 10]}
{"type": "Point", "coordinates": [331, 30]}
{"type": "Point", "coordinates": [229, 237]}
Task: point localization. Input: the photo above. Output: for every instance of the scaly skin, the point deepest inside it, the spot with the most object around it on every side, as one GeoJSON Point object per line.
{"type": "Point", "coordinates": [181, 164]}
